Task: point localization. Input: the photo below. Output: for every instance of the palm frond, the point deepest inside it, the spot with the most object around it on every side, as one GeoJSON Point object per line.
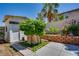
{"type": "Point", "coordinates": [50, 10]}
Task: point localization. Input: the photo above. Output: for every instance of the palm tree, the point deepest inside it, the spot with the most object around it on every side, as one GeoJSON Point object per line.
{"type": "Point", "coordinates": [39, 16]}
{"type": "Point", "coordinates": [50, 11]}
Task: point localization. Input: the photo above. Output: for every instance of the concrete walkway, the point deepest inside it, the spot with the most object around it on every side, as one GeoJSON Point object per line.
{"type": "Point", "coordinates": [58, 49]}
{"type": "Point", "coordinates": [22, 50]}
{"type": "Point", "coordinates": [51, 49]}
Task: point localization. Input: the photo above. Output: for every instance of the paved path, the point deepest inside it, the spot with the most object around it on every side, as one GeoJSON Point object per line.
{"type": "Point", "coordinates": [5, 50]}
{"type": "Point", "coordinates": [51, 49]}
{"type": "Point", "coordinates": [58, 49]}
{"type": "Point", "coordinates": [22, 50]}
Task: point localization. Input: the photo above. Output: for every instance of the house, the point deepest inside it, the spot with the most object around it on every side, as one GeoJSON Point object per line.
{"type": "Point", "coordinates": [12, 30]}
{"type": "Point", "coordinates": [13, 33]}
{"type": "Point", "coordinates": [69, 17]}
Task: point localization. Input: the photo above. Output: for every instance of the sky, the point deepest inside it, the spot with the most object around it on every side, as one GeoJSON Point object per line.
{"type": "Point", "coordinates": [29, 10]}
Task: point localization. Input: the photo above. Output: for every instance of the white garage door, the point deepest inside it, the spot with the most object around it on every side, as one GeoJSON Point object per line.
{"type": "Point", "coordinates": [14, 37]}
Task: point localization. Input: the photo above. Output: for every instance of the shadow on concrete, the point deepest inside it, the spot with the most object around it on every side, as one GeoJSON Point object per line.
{"type": "Point", "coordinates": [18, 46]}
{"type": "Point", "coordinates": [73, 48]}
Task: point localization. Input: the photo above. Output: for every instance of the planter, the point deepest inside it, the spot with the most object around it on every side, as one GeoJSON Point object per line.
{"type": "Point", "coordinates": [62, 39]}
{"type": "Point", "coordinates": [33, 39]}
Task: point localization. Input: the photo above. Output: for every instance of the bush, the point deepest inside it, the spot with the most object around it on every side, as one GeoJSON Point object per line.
{"type": "Point", "coordinates": [65, 30]}
{"type": "Point", "coordinates": [54, 30]}
{"type": "Point", "coordinates": [40, 27]}
{"type": "Point", "coordinates": [28, 27]}
{"type": "Point", "coordinates": [61, 17]}
{"type": "Point", "coordinates": [1, 34]}
{"type": "Point", "coordinates": [74, 29]}
{"type": "Point", "coordinates": [34, 29]}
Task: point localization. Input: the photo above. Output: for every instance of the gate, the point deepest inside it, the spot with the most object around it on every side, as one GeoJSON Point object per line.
{"type": "Point", "coordinates": [14, 37]}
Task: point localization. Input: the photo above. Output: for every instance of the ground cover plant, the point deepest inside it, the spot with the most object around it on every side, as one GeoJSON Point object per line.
{"type": "Point", "coordinates": [34, 47]}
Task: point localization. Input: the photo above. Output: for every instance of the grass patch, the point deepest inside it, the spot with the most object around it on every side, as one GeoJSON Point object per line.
{"type": "Point", "coordinates": [34, 47]}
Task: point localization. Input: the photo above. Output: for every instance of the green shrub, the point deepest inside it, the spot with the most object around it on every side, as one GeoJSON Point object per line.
{"type": "Point", "coordinates": [65, 30]}
{"type": "Point", "coordinates": [28, 27]}
{"type": "Point", "coordinates": [1, 34]}
{"type": "Point", "coordinates": [61, 17]}
{"type": "Point", "coordinates": [74, 29]}
{"type": "Point", "coordinates": [54, 30]}
{"type": "Point", "coordinates": [33, 27]}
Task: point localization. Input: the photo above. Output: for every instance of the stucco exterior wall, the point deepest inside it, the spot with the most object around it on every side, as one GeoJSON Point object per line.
{"type": "Point", "coordinates": [72, 15]}
{"type": "Point", "coordinates": [66, 21]}
{"type": "Point", "coordinates": [17, 19]}
{"type": "Point", "coordinates": [12, 28]}
{"type": "Point", "coordinates": [7, 35]}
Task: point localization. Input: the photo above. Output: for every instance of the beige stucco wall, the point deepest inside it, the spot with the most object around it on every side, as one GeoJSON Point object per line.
{"type": "Point", "coordinates": [60, 24]}
{"type": "Point", "coordinates": [7, 32]}
{"type": "Point", "coordinates": [16, 19]}
{"type": "Point", "coordinates": [11, 27]}
{"type": "Point", "coordinates": [72, 15]}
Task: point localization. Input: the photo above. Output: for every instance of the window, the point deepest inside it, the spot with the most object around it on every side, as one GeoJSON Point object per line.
{"type": "Point", "coordinates": [66, 17]}
{"type": "Point", "coordinates": [12, 22]}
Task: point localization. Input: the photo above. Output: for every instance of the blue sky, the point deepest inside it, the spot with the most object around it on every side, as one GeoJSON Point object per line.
{"type": "Point", "coordinates": [29, 9]}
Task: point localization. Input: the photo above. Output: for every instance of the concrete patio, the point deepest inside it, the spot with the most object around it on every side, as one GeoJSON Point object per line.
{"type": "Point", "coordinates": [51, 49]}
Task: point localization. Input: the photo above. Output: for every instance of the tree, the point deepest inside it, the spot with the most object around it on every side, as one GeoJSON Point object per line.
{"type": "Point", "coordinates": [50, 11]}
{"type": "Point", "coordinates": [40, 16]}
{"type": "Point", "coordinates": [33, 29]}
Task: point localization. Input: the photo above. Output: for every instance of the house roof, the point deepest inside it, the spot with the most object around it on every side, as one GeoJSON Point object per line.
{"type": "Point", "coordinates": [69, 11]}
{"type": "Point", "coordinates": [11, 16]}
